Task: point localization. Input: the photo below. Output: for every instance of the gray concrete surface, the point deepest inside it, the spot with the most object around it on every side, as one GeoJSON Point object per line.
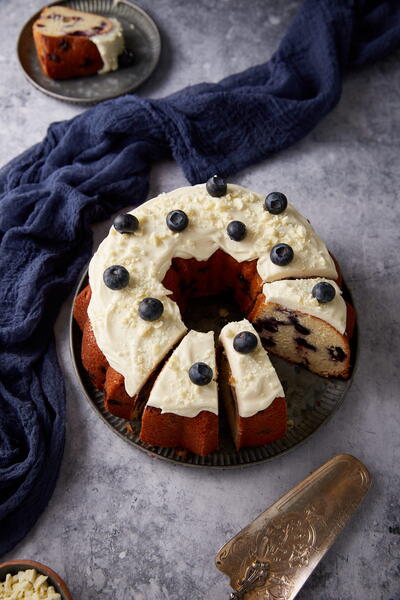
{"type": "Point", "coordinates": [127, 527]}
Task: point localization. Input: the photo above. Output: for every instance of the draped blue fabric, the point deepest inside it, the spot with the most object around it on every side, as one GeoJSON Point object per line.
{"type": "Point", "coordinates": [89, 167]}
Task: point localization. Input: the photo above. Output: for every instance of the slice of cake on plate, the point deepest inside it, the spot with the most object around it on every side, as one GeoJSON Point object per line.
{"type": "Point", "coordinates": [306, 321]}
{"type": "Point", "coordinates": [253, 395]}
{"type": "Point", "coordinates": [182, 409]}
{"type": "Point", "coordinates": [72, 43]}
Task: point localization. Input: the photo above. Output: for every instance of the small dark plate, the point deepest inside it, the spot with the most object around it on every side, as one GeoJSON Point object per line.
{"type": "Point", "coordinates": [141, 36]}
{"type": "Point", "coordinates": [13, 566]}
{"type": "Point", "coordinates": [311, 401]}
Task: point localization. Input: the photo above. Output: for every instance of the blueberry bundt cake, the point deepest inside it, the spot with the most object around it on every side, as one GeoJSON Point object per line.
{"type": "Point", "coordinates": [251, 390]}
{"type": "Point", "coordinates": [197, 242]}
{"type": "Point", "coordinates": [72, 43]}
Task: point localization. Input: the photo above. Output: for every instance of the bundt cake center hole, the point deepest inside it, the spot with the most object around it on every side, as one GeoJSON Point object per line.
{"type": "Point", "coordinates": [214, 292]}
{"type": "Point", "coordinates": [211, 313]}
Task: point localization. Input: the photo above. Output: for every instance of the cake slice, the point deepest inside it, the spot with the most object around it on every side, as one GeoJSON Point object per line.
{"type": "Point", "coordinates": [72, 43]}
{"type": "Point", "coordinates": [252, 393]}
{"type": "Point", "coordinates": [182, 409]}
{"type": "Point", "coordinates": [306, 321]}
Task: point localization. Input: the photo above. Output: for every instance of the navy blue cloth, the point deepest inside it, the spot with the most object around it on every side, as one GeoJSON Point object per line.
{"type": "Point", "coordinates": [91, 166]}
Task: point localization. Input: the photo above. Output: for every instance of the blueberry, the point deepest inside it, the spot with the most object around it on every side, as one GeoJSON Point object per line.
{"type": "Point", "coordinates": [126, 223]}
{"type": "Point", "coordinates": [116, 277]}
{"type": "Point", "coordinates": [64, 45]}
{"type": "Point", "coordinates": [281, 254]}
{"type": "Point", "coordinates": [86, 63]}
{"type": "Point", "coordinates": [126, 59]}
{"type": "Point", "coordinates": [275, 203]}
{"type": "Point", "coordinates": [200, 373]}
{"type": "Point", "coordinates": [245, 342]}
{"type": "Point", "coordinates": [236, 230]}
{"type": "Point", "coordinates": [177, 220]}
{"type": "Point", "coordinates": [54, 57]}
{"type": "Point", "coordinates": [324, 292]}
{"type": "Point", "coordinates": [336, 353]}
{"type": "Point", "coordinates": [216, 186]}
{"type": "Point", "coordinates": [150, 309]}
{"type": "Point", "coordinates": [304, 344]}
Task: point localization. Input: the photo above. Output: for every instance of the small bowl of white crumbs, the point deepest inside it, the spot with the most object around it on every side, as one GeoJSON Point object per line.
{"type": "Point", "coordinates": [30, 580]}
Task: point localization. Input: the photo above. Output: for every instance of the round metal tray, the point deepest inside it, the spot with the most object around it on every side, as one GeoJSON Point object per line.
{"type": "Point", "coordinates": [311, 402]}
{"type": "Point", "coordinates": [140, 33]}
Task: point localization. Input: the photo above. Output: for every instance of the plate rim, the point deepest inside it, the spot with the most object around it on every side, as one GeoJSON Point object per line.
{"type": "Point", "coordinates": [78, 100]}
{"type": "Point", "coordinates": [182, 462]}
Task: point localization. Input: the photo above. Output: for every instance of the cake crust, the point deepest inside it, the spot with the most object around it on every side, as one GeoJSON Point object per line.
{"type": "Point", "coordinates": [197, 434]}
{"type": "Point", "coordinates": [66, 56]}
{"type": "Point", "coordinates": [93, 359]}
{"type": "Point", "coordinates": [81, 305]}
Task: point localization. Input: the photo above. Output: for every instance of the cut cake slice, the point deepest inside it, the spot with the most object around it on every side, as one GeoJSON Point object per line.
{"type": "Point", "coordinates": [252, 393]}
{"type": "Point", "coordinates": [182, 409]}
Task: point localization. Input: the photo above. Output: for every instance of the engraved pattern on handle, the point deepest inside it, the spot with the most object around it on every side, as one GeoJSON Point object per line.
{"type": "Point", "coordinates": [255, 576]}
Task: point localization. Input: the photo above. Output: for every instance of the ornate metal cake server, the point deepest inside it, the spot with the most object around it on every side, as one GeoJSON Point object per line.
{"type": "Point", "coordinates": [272, 557]}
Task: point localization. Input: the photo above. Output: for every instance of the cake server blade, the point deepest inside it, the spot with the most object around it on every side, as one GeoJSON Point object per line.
{"type": "Point", "coordinates": [273, 556]}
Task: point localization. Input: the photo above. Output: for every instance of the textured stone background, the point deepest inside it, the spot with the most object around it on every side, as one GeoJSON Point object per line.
{"type": "Point", "coordinates": [124, 526]}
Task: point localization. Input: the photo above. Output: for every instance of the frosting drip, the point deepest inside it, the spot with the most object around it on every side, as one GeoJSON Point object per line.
{"type": "Point", "coordinates": [173, 390]}
{"type": "Point", "coordinates": [110, 45]}
{"type": "Point", "coordinates": [132, 346]}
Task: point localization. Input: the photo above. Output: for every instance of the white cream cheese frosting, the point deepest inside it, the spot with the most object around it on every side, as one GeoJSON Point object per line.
{"type": "Point", "coordinates": [255, 381]}
{"type": "Point", "coordinates": [110, 45]}
{"type": "Point", "coordinates": [174, 392]}
{"type": "Point", "coordinates": [134, 347]}
{"type": "Point", "coordinates": [296, 294]}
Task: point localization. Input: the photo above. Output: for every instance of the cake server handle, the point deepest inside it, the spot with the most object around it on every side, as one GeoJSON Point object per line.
{"type": "Point", "coordinates": [255, 577]}
{"type": "Point", "coordinates": [273, 556]}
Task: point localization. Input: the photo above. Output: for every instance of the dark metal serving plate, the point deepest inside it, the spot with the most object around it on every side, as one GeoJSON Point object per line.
{"type": "Point", "coordinates": [311, 402]}
{"type": "Point", "coordinates": [140, 33]}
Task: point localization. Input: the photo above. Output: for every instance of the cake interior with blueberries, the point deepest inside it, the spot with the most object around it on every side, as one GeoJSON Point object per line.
{"type": "Point", "coordinates": [73, 43]}
{"type": "Point", "coordinates": [141, 347]}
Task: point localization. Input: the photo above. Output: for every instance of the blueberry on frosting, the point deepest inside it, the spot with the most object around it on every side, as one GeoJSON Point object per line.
{"type": "Point", "coordinates": [116, 277]}
{"type": "Point", "coordinates": [275, 203]}
{"type": "Point", "coordinates": [245, 342]}
{"type": "Point", "coordinates": [236, 230]}
{"type": "Point", "coordinates": [177, 220]}
{"type": "Point", "coordinates": [324, 292]}
{"type": "Point", "coordinates": [150, 309]}
{"type": "Point", "coordinates": [216, 186]}
{"type": "Point", "coordinates": [200, 373]}
{"type": "Point", "coordinates": [281, 254]}
{"type": "Point", "coordinates": [126, 223]}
